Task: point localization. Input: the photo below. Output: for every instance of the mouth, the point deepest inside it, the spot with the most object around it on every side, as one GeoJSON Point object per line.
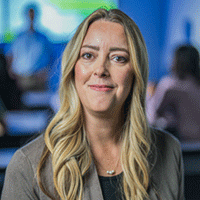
{"type": "Point", "coordinates": [101, 87]}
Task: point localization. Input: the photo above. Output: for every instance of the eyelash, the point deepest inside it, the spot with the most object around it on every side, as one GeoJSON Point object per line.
{"type": "Point", "coordinates": [88, 54]}
{"type": "Point", "coordinates": [122, 59]}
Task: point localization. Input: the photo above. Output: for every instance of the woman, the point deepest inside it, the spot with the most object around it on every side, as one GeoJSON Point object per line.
{"type": "Point", "coordinates": [176, 98]}
{"type": "Point", "coordinates": [99, 145]}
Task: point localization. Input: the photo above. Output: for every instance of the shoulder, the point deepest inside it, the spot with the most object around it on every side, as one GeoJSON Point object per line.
{"type": "Point", "coordinates": [20, 36]}
{"type": "Point", "coordinates": [167, 168]}
{"type": "Point", "coordinates": [166, 79]}
{"type": "Point", "coordinates": [167, 145]}
{"type": "Point", "coordinates": [29, 155]}
{"type": "Point", "coordinates": [188, 84]}
{"type": "Point", "coordinates": [19, 40]}
{"type": "Point", "coordinates": [163, 139]}
{"type": "Point", "coordinates": [166, 151]}
{"type": "Point", "coordinates": [41, 36]}
{"type": "Point", "coordinates": [21, 180]}
{"type": "Point", "coordinates": [34, 147]}
{"type": "Point", "coordinates": [167, 82]}
{"type": "Point", "coordinates": [36, 144]}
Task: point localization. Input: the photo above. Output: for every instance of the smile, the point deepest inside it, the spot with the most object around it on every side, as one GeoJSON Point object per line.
{"type": "Point", "coordinates": [101, 87]}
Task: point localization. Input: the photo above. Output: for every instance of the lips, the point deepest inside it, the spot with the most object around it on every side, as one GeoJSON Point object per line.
{"type": "Point", "coordinates": [101, 87]}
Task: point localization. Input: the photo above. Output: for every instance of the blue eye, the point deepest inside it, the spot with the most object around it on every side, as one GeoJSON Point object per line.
{"type": "Point", "coordinates": [87, 56]}
{"type": "Point", "coordinates": [120, 59]}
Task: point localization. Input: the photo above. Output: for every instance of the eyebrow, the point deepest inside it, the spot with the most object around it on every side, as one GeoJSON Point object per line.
{"type": "Point", "coordinates": [111, 49]}
{"type": "Point", "coordinates": [119, 49]}
{"type": "Point", "coordinates": [91, 47]}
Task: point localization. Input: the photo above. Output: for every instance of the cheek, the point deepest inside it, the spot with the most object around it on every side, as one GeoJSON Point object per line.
{"type": "Point", "coordinates": [79, 80]}
{"type": "Point", "coordinates": [126, 80]}
{"type": "Point", "coordinates": [80, 74]}
{"type": "Point", "coordinates": [128, 85]}
{"type": "Point", "coordinates": [129, 80]}
{"type": "Point", "coordinates": [77, 72]}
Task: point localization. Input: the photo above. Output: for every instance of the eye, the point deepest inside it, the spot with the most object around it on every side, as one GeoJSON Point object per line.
{"type": "Point", "coordinates": [87, 56]}
{"type": "Point", "coordinates": [120, 59]}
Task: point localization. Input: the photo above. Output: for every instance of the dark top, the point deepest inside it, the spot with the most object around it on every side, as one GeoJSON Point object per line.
{"type": "Point", "coordinates": [111, 187]}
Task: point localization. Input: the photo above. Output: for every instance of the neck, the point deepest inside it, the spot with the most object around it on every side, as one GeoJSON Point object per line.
{"type": "Point", "coordinates": [31, 28]}
{"type": "Point", "coordinates": [103, 130]}
{"type": "Point", "coordinates": [104, 136]}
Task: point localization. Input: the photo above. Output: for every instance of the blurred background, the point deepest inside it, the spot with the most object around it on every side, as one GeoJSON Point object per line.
{"type": "Point", "coordinates": [33, 34]}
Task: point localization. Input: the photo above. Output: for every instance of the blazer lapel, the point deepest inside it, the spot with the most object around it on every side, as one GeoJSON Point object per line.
{"type": "Point", "coordinates": [92, 188]}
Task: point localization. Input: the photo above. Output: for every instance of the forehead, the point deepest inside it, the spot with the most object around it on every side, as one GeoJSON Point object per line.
{"type": "Point", "coordinates": [102, 31]}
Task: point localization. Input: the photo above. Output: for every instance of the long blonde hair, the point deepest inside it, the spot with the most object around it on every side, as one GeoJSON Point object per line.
{"type": "Point", "coordinates": [64, 137]}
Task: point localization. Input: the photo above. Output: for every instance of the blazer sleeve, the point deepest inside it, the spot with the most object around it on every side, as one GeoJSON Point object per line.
{"type": "Point", "coordinates": [20, 180]}
{"type": "Point", "coordinates": [167, 174]}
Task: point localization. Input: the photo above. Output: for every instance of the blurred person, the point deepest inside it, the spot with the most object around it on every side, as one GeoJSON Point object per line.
{"type": "Point", "coordinates": [29, 55]}
{"type": "Point", "coordinates": [175, 104]}
{"type": "Point", "coordinates": [99, 144]}
{"type": "Point", "coordinates": [10, 94]}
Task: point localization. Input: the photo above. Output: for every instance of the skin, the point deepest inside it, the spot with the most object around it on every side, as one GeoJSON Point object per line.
{"type": "Point", "coordinates": [103, 74]}
{"type": "Point", "coordinates": [103, 79]}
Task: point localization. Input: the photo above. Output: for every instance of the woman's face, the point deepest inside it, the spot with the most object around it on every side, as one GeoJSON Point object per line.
{"type": "Point", "coordinates": [103, 73]}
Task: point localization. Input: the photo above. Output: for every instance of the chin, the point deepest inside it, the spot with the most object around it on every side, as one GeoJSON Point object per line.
{"type": "Point", "coordinates": [106, 110]}
{"type": "Point", "coordinates": [102, 110]}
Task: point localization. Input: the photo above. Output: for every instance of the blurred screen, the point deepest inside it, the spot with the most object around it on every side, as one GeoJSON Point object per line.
{"type": "Point", "coordinates": [57, 19]}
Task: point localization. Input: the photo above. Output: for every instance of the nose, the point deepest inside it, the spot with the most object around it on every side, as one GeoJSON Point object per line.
{"type": "Point", "coordinates": [101, 68]}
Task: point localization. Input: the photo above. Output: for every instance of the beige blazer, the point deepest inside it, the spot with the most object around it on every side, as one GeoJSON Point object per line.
{"type": "Point", "coordinates": [166, 177]}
